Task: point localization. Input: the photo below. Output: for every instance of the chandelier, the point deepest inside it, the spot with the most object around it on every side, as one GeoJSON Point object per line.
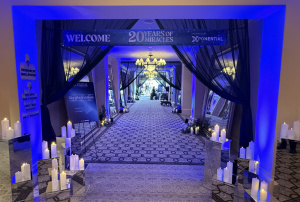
{"type": "Point", "coordinates": [150, 65]}
{"type": "Point", "coordinates": [229, 71]}
{"type": "Point", "coordinates": [150, 75]}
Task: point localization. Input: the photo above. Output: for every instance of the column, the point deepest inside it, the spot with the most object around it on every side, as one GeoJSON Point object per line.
{"type": "Point", "coordinates": [173, 89]}
{"type": "Point", "coordinates": [101, 85]}
{"type": "Point", "coordinates": [116, 82]}
{"type": "Point", "coordinates": [198, 99]}
{"type": "Point", "coordinates": [186, 92]}
{"type": "Point", "coordinates": [134, 86]}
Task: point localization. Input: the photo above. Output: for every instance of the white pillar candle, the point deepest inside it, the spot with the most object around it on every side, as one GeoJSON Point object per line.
{"type": "Point", "coordinates": [81, 164]}
{"type": "Point", "coordinates": [284, 130]}
{"type": "Point", "coordinates": [46, 154]}
{"type": "Point", "coordinates": [72, 162]}
{"type": "Point", "coordinates": [54, 164]}
{"type": "Point", "coordinates": [192, 130]}
{"type": "Point", "coordinates": [264, 185]}
{"type": "Point", "coordinates": [63, 180]}
{"type": "Point", "coordinates": [217, 129]}
{"type": "Point", "coordinates": [73, 132]}
{"type": "Point", "coordinates": [252, 146]}
{"type": "Point", "coordinates": [63, 131]}
{"type": "Point", "coordinates": [254, 188]}
{"type": "Point", "coordinates": [248, 153]}
{"type": "Point", "coordinates": [223, 135]}
{"type": "Point", "coordinates": [54, 174]}
{"type": "Point", "coordinates": [10, 133]}
{"type": "Point", "coordinates": [76, 162]}
{"type": "Point", "coordinates": [291, 134]}
{"type": "Point", "coordinates": [213, 136]}
{"type": "Point", "coordinates": [4, 126]}
{"type": "Point", "coordinates": [44, 145]}
{"type": "Point", "coordinates": [230, 168]}
{"type": "Point", "coordinates": [251, 166]}
{"type": "Point", "coordinates": [17, 128]}
{"type": "Point", "coordinates": [53, 150]}
{"type": "Point", "coordinates": [18, 176]}
{"type": "Point", "coordinates": [263, 195]}
{"type": "Point", "coordinates": [256, 167]}
{"type": "Point", "coordinates": [69, 129]}
{"type": "Point", "coordinates": [25, 169]}
{"type": "Point", "coordinates": [242, 153]}
{"type": "Point", "coordinates": [226, 175]}
{"type": "Point", "coordinates": [55, 186]}
{"type": "Point", "coordinates": [220, 174]}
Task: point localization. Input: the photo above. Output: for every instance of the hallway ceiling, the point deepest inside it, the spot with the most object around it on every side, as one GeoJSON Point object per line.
{"type": "Point", "coordinates": [133, 52]}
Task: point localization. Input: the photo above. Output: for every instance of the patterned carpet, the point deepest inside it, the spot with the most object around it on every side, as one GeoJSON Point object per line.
{"type": "Point", "coordinates": [144, 183]}
{"type": "Point", "coordinates": [149, 133]}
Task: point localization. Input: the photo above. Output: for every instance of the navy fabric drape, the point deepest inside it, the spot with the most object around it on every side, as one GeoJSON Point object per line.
{"type": "Point", "coordinates": [223, 69]}
{"type": "Point", "coordinates": [53, 77]}
{"type": "Point", "coordinates": [128, 77]}
{"type": "Point", "coordinates": [177, 83]}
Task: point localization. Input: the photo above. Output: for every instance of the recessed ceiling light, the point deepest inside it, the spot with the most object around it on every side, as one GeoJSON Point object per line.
{"type": "Point", "coordinates": [148, 21]}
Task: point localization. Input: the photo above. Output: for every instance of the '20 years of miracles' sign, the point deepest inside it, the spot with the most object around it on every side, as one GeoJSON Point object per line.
{"type": "Point", "coordinates": [143, 37]}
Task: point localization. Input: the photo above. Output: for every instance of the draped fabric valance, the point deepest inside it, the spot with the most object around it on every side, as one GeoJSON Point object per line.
{"type": "Point", "coordinates": [177, 76]}
{"type": "Point", "coordinates": [127, 74]}
{"type": "Point", "coordinates": [223, 69]}
{"type": "Point", "coordinates": [55, 59]}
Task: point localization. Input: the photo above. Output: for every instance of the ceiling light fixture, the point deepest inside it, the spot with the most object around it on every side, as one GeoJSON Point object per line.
{"type": "Point", "coordinates": [150, 65]}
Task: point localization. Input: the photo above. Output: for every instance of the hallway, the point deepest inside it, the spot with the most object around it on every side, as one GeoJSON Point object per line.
{"type": "Point", "coordinates": [149, 133]}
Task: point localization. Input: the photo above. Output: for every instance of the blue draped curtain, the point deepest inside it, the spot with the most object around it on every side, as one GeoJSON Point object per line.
{"type": "Point", "coordinates": [223, 69]}
{"type": "Point", "coordinates": [53, 76]}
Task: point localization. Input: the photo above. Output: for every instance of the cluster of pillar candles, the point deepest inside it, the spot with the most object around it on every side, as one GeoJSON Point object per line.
{"type": "Point", "coordinates": [174, 110]}
{"type": "Point", "coordinates": [108, 120]}
{"type": "Point", "coordinates": [263, 189]}
{"type": "Point", "coordinates": [54, 177]}
{"type": "Point", "coordinates": [25, 173]}
{"type": "Point", "coordinates": [293, 134]}
{"type": "Point", "coordinates": [248, 153]}
{"type": "Point", "coordinates": [215, 136]}
{"type": "Point", "coordinates": [226, 174]}
{"type": "Point", "coordinates": [8, 132]}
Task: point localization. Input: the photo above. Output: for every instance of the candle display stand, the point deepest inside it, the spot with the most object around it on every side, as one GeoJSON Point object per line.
{"type": "Point", "coordinates": [249, 198]}
{"type": "Point", "coordinates": [61, 152]}
{"type": "Point", "coordinates": [14, 153]}
{"type": "Point", "coordinates": [242, 164]}
{"type": "Point", "coordinates": [223, 191]}
{"type": "Point", "coordinates": [212, 160]}
{"type": "Point", "coordinates": [247, 178]}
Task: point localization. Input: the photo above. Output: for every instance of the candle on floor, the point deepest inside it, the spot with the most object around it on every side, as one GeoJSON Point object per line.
{"type": "Point", "coordinates": [248, 153]}
{"type": "Point", "coordinates": [263, 195]}
{"type": "Point", "coordinates": [192, 131]}
{"type": "Point", "coordinates": [63, 131]}
{"type": "Point", "coordinates": [254, 188]}
{"type": "Point", "coordinates": [73, 133]}
{"type": "Point", "coordinates": [18, 176]}
{"type": "Point", "coordinates": [10, 133]}
{"type": "Point", "coordinates": [17, 128]}
{"type": "Point", "coordinates": [217, 129]}
{"type": "Point", "coordinates": [226, 175]}
{"type": "Point", "coordinates": [213, 136]}
{"type": "Point", "coordinates": [291, 134]}
{"type": "Point", "coordinates": [284, 130]}
{"type": "Point", "coordinates": [53, 150]}
{"type": "Point", "coordinates": [55, 186]}
{"type": "Point", "coordinates": [44, 145]}
{"type": "Point", "coordinates": [81, 164]}
{"type": "Point", "coordinates": [54, 174]}
{"type": "Point", "coordinates": [220, 174]}
{"type": "Point", "coordinates": [252, 146]}
{"type": "Point", "coordinates": [251, 166]}
{"type": "Point", "coordinates": [256, 165]}
{"type": "Point", "coordinates": [230, 168]}
{"type": "Point", "coordinates": [69, 129]}
{"type": "Point", "coordinates": [223, 135]}
{"type": "Point", "coordinates": [242, 153]}
{"type": "Point", "coordinates": [264, 185]}
{"type": "Point", "coordinates": [25, 169]}
{"type": "Point", "coordinates": [72, 162]}
{"type": "Point", "coordinates": [63, 180]}
{"type": "Point", "coordinates": [76, 162]}
{"type": "Point", "coordinates": [54, 164]}
{"type": "Point", "coordinates": [4, 126]}
{"type": "Point", "coordinates": [46, 154]}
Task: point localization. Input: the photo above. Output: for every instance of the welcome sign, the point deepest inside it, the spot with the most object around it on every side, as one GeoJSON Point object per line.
{"type": "Point", "coordinates": [144, 37]}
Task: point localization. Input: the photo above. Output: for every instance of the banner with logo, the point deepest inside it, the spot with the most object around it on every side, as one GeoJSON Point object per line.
{"type": "Point", "coordinates": [144, 37]}
{"type": "Point", "coordinates": [81, 103]}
